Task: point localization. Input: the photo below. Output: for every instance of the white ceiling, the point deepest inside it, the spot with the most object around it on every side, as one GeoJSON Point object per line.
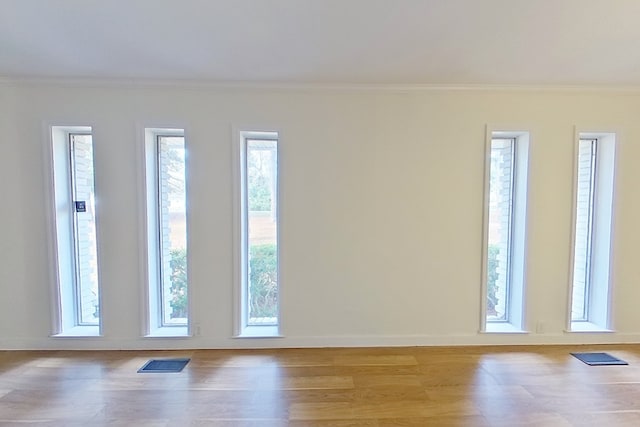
{"type": "Point", "coordinates": [477, 42]}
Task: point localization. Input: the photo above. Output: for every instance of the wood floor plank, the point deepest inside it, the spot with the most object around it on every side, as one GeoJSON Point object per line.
{"type": "Point", "coordinates": [412, 386]}
{"type": "Point", "coordinates": [443, 421]}
{"type": "Point", "coordinates": [609, 418]}
{"type": "Point", "coordinates": [335, 423]}
{"type": "Point", "coordinates": [374, 360]}
{"type": "Point", "coordinates": [385, 394]}
{"type": "Point", "coordinates": [205, 422]}
{"type": "Point", "coordinates": [322, 411]}
{"type": "Point", "coordinates": [367, 381]}
{"type": "Point", "coordinates": [529, 420]}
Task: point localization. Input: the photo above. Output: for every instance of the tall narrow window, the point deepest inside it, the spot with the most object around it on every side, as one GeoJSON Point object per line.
{"type": "Point", "coordinates": [168, 302]}
{"type": "Point", "coordinates": [84, 230]}
{"type": "Point", "coordinates": [78, 291]}
{"type": "Point", "coordinates": [259, 292]}
{"type": "Point", "coordinates": [592, 231]}
{"type": "Point", "coordinates": [505, 226]}
{"type": "Point", "coordinates": [585, 191]}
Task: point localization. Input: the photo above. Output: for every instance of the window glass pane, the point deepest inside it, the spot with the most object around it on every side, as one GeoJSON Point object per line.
{"type": "Point", "coordinates": [500, 223]}
{"type": "Point", "coordinates": [83, 205]}
{"type": "Point", "coordinates": [172, 230]}
{"type": "Point", "coordinates": [584, 227]}
{"type": "Point", "coordinates": [261, 192]}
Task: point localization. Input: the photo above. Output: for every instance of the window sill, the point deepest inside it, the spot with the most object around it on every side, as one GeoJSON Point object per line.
{"type": "Point", "coordinates": [587, 327]}
{"type": "Point", "coordinates": [169, 332]}
{"type": "Point", "coordinates": [260, 332]}
{"type": "Point", "coordinates": [79, 332]}
{"type": "Point", "coordinates": [502, 328]}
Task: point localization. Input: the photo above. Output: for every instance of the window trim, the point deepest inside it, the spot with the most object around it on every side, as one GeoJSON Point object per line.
{"type": "Point", "coordinates": [66, 322]}
{"type": "Point", "coordinates": [517, 270]}
{"type": "Point", "coordinates": [241, 329]}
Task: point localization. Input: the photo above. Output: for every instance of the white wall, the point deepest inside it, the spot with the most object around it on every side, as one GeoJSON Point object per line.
{"type": "Point", "coordinates": [381, 210]}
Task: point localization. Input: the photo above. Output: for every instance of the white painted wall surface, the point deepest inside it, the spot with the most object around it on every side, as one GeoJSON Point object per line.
{"type": "Point", "coordinates": [381, 209]}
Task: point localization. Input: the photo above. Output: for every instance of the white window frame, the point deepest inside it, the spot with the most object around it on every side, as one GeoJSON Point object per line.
{"type": "Point", "coordinates": [65, 308]}
{"type": "Point", "coordinates": [516, 309]}
{"type": "Point", "coordinates": [599, 280]}
{"type": "Point", "coordinates": [241, 245]}
{"type": "Point", "coordinates": [154, 326]}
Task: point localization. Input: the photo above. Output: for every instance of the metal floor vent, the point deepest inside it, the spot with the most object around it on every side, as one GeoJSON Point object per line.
{"type": "Point", "coordinates": [599, 359]}
{"type": "Point", "coordinates": [164, 365]}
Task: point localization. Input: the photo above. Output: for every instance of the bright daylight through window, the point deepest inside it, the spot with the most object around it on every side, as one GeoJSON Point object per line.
{"type": "Point", "coordinates": [168, 301]}
{"type": "Point", "coordinates": [259, 291]}
{"type": "Point", "coordinates": [505, 226]}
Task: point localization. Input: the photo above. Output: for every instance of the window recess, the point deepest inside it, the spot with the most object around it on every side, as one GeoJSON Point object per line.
{"type": "Point", "coordinates": [592, 232]}
{"type": "Point", "coordinates": [504, 243]}
{"type": "Point", "coordinates": [77, 290]}
{"type": "Point", "coordinates": [167, 283]}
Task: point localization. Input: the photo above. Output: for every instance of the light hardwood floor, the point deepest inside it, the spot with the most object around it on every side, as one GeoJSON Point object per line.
{"type": "Point", "coordinates": [414, 386]}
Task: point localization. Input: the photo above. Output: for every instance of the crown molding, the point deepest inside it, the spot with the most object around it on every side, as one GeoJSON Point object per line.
{"type": "Point", "coordinates": [89, 82]}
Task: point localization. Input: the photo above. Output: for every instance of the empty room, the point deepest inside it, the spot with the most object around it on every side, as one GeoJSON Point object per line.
{"type": "Point", "coordinates": [319, 213]}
